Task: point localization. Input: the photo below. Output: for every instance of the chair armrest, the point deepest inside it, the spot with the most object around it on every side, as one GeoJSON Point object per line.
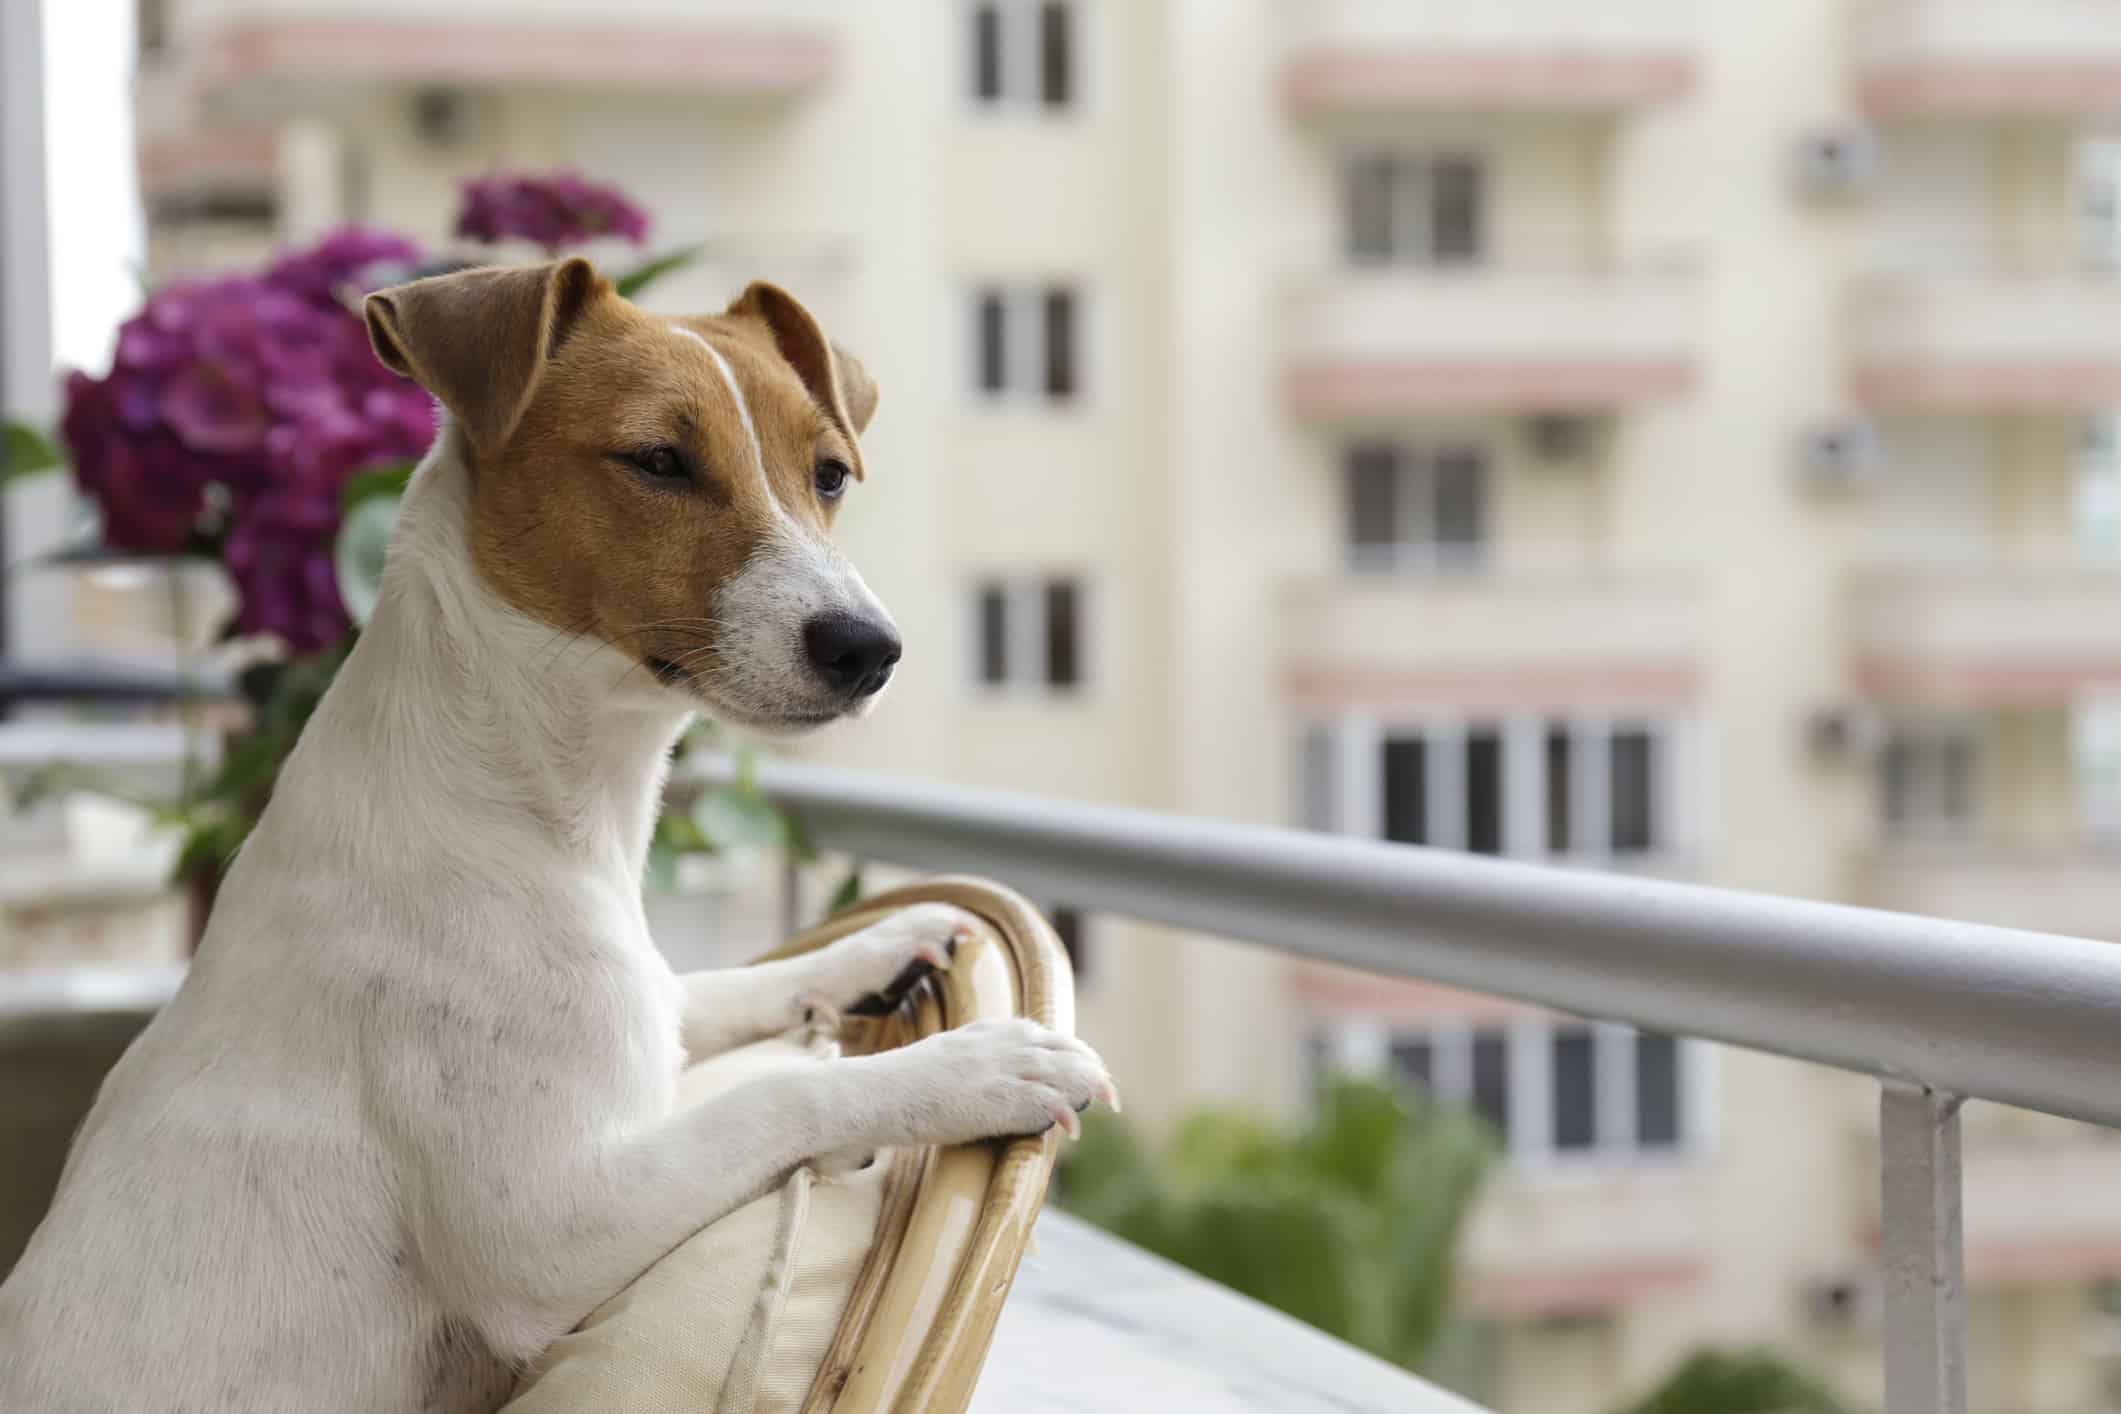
{"type": "Point", "coordinates": [956, 1221]}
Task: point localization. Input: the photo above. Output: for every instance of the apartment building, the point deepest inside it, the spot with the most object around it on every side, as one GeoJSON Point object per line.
{"type": "Point", "coordinates": [1651, 436]}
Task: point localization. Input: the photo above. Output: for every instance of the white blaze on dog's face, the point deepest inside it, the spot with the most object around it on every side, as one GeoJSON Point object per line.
{"type": "Point", "coordinates": [666, 486]}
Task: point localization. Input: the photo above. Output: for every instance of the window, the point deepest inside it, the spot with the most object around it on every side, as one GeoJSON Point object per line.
{"type": "Point", "coordinates": [1024, 55]}
{"type": "Point", "coordinates": [1414, 208]}
{"type": "Point", "coordinates": [1559, 820]}
{"type": "Point", "coordinates": [1536, 789]}
{"type": "Point", "coordinates": [1632, 759]}
{"type": "Point", "coordinates": [1575, 1088]}
{"type": "Point", "coordinates": [1554, 1087]}
{"type": "Point", "coordinates": [2096, 497]}
{"type": "Point", "coordinates": [1028, 633]}
{"type": "Point", "coordinates": [1926, 778]}
{"type": "Point", "coordinates": [1027, 342]}
{"type": "Point", "coordinates": [1490, 1072]}
{"type": "Point", "coordinates": [993, 634]}
{"type": "Point", "coordinates": [1414, 1062]}
{"type": "Point", "coordinates": [1406, 790]}
{"type": "Point", "coordinates": [1656, 1091]}
{"type": "Point", "coordinates": [151, 28]}
{"type": "Point", "coordinates": [2095, 746]}
{"type": "Point", "coordinates": [1317, 781]}
{"type": "Point", "coordinates": [1416, 509]}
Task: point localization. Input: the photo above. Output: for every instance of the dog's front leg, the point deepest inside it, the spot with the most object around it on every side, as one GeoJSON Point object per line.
{"type": "Point", "coordinates": [728, 1007]}
{"type": "Point", "coordinates": [523, 1254]}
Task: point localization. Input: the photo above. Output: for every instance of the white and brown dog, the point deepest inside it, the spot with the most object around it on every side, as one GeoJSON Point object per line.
{"type": "Point", "coordinates": [409, 1117]}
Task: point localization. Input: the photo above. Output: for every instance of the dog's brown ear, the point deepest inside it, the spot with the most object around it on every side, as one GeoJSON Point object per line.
{"type": "Point", "coordinates": [834, 377]}
{"type": "Point", "coordinates": [479, 339]}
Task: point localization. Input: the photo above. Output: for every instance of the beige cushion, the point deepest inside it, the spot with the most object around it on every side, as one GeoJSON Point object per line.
{"type": "Point", "coordinates": [738, 1319]}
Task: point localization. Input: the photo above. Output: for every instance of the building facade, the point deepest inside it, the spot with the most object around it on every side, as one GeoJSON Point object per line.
{"type": "Point", "coordinates": [1653, 436]}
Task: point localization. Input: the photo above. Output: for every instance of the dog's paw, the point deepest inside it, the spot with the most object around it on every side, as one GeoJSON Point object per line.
{"type": "Point", "coordinates": [869, 973]}
{"type": "Point", "coordinates": [999, 1078]}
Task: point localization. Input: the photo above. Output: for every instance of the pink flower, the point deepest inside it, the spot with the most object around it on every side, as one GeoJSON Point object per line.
{"type": "Point", "coordinates": [278, 552]}
{"type": "Point", "coordinates": [555, 211]}
{"type": "Point", "coordinates": [259, 397]}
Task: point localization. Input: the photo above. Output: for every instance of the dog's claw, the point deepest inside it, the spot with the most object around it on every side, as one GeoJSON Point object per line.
{"type": "Point", "coordinates": [1109, 1093]}
{"type": "Point", "coordinates": [1071, 1124]}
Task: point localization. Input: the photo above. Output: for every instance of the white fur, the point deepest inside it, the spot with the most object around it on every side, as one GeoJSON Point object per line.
{"type": "Point", "coordinates": [409, 1117]}
{"type": "Point", "coordinates": [743, 408]}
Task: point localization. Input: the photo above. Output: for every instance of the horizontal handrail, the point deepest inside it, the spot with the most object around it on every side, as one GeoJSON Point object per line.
{"type": "Point", "coordinates": [2026, 1018]}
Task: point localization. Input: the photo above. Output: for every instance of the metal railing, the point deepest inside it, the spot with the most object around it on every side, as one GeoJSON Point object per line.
{"type": "Point", "coordinates": [1937, 1011]}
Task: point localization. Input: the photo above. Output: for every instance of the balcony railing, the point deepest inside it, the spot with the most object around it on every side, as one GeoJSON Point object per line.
{"type": "Point", "coordinates": [1935, 1011]}
{"type": "Point", "coordinates": [1368, 342]}
{"type": "Point", "coordinates": [1540, 54]}
{"type": "Point", "coordinates": [1987, 342]}
{"type": "Point", "coordinates": [2023, 58]}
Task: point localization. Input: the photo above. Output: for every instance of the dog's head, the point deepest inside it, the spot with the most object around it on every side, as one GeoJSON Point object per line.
{"type": "Point", "coordinates": [665, 485]}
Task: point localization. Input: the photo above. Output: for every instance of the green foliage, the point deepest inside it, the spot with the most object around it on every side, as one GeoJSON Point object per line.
{"type": "Point", "coordinates": [215, 812]}
{"type": "Point", "coordinates": [1737, 1382]}
{"type": "Point", "coordinates": [218, 811]}
{"type": "Point", "coordinates": [848, 894]}
{"type": "Point", "coordinates": [1350, 1222]}
{"type": "Point", "coordinates": [639, 278]}
{"type": "Point", "coordinates": [389, 479]}
{"type": "Point", "coordinates": [718, 818]}
{"type": "Point", "coordinates": [27, 451]}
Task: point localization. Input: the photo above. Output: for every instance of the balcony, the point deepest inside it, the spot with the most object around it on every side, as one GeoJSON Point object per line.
{"type": "Point", "coordinates": [1987, 343]}
{"type": "Point", "coordinates": [272, 54]}
{"type": "Point", "coordinates": [1500, 643]}
{"type": "Point", "coordinates": [1565, 1243]}
{"type": "Point", "coordinates": [1984, 635]}
{"type": "Point", "coordinates": [2023, 58]}
{"type": "Point", "coordinates": [1362, 343]}
{"type": "Point", "coordinates": [1562, 55]}
{"type": "Point", "coordinates": [2065, 889]}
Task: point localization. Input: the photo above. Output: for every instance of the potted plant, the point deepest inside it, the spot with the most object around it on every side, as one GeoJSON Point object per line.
{"type": "Point", "coordinates": [246, 421]}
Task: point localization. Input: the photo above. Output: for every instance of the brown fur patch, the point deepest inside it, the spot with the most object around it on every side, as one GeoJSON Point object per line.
{"type": "Point", "coordinates": [561, 526]}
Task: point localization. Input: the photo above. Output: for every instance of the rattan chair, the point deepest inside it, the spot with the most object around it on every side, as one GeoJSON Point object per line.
{"type": "Point", "coordinates": [955, 1221]}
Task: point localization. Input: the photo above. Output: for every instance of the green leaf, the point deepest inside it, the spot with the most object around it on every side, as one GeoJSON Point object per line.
{"type": "Point", "coordinates": [389, 479]}
{"type": "Point", "coordinates": [1351, 1221]}
{"type": "Point", "coordinates": [730, 817]}
{"type": "Point", "coordinates": [360, 552]}
{"type": "Point", "coordinates": [29, 451]}
{"type": "Point", "coordinates": [848, 894]}
{"type": "Point", "coordinates": [639, 278]}
{"type": "Point", "coordinates": [661, 873]}
{"type": "Point", "coordinates": [1738, 1382]}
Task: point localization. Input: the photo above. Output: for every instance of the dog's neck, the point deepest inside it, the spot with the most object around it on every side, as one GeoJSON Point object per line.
{"type": "Point", "coordinates": [455, 703]}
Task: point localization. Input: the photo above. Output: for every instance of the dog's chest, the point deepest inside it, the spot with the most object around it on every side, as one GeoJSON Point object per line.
{"type": "Point", "coordinates": [578, 1024]}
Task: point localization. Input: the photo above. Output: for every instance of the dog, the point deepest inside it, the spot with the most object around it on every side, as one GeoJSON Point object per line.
{"type": "Point", "coordinates": [409, 1117]}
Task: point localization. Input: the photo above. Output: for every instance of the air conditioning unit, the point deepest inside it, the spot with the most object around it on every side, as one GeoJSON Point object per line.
{"type": "Point", "coordinates": [1560, 436]}
{"type": "Point", "coordinates": [1841, 454]}
{"type": "Point", "coordinates": [1838, 162]}
{"type": "Point", "coordinates": [1843, 1305]}
{"type": "Point", "coordinates": [1851, 732]}
{"type": "Point", "coordinates": [442, 117]}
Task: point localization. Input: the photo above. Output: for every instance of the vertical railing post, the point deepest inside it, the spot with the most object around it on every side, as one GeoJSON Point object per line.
{"type": "Point", "coordinates": [1921, 1244]}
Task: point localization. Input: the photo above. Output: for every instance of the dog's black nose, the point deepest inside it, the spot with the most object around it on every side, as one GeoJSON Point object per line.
{"type": "Point", "coordinates": [853, 653]}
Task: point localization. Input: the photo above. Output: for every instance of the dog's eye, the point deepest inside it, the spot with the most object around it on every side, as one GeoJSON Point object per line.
{"type": "Point", "coordinates": [830, 475]}
{"type": "Point", "coordinates": [659, 464]}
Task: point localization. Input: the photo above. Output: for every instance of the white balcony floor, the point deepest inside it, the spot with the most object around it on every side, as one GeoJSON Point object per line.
{"type": "Point", "coordinates": [1096, 1325]}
